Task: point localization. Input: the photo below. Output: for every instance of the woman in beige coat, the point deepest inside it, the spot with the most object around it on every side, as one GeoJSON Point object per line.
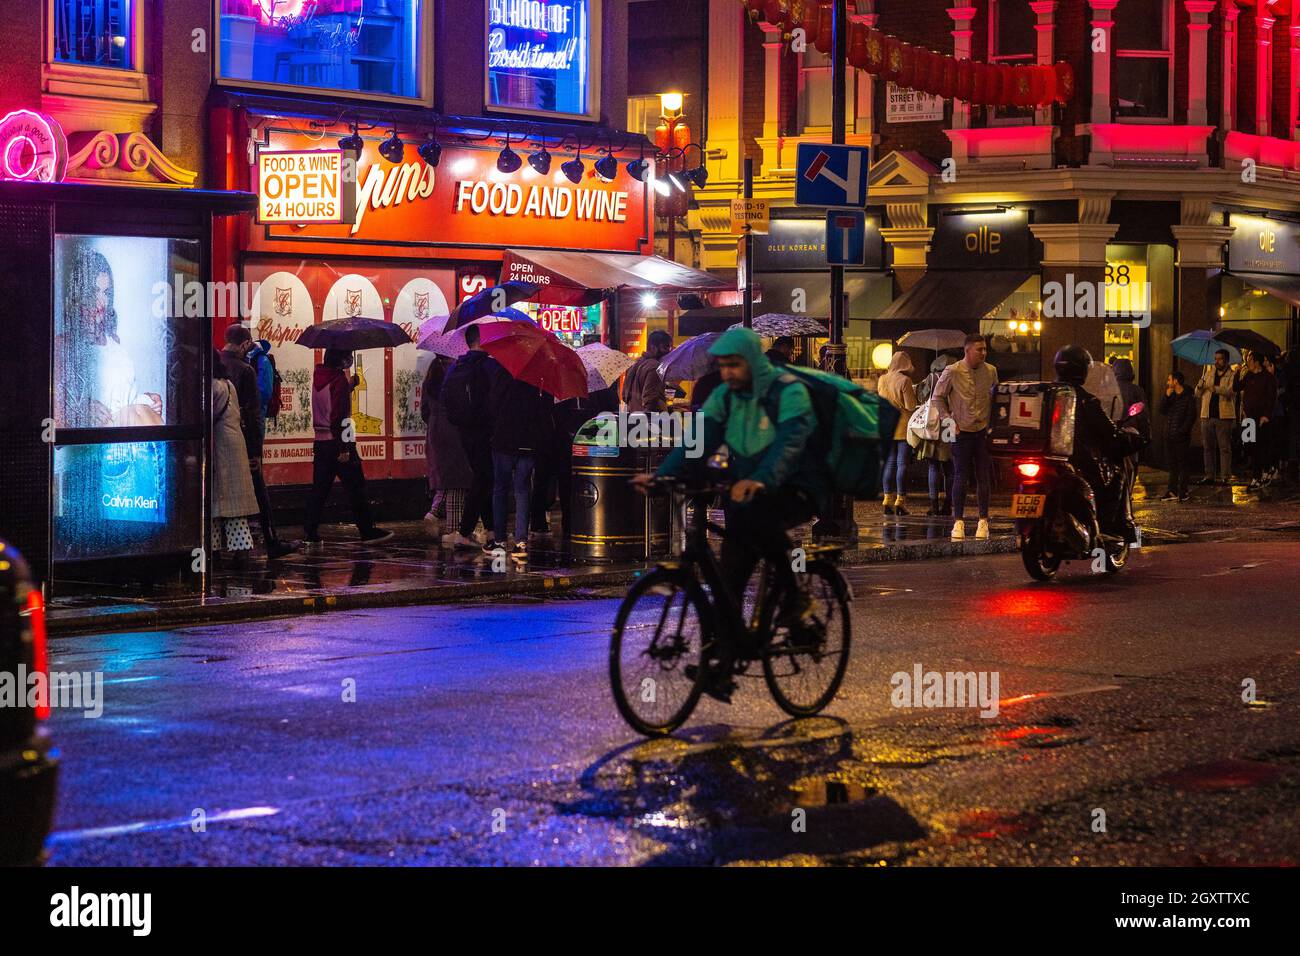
{"type": "Point", "coordinates": [897, 388]}
{"type": "Point", "coordinates": [233, 498]}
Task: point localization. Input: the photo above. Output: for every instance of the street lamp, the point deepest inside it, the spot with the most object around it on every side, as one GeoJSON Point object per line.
{"type": "Point", "coordinates": [671, 137]}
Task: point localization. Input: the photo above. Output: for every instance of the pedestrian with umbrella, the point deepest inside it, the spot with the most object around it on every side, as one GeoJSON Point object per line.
{"type": "Point", "coordinates": [643, 389]}
{"type": "Point", "coordinates": [334, 452]}
{"type": "Point", "coordinates": [1218, 403]}
{"type": "Point", "coordinates": [1258, 389]}
{"type": "Point", "coordinates": [465, 396]}
{"type": "Point", "coordinates": [446, 464]}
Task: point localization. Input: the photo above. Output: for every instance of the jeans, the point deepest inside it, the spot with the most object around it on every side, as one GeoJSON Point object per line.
{"type": "Point", "coordinates": [1216, 433]}
{"type": "Point", "coordinates": [971, 446]}
{"type": "Point", "coordinates": [508, 470]}
{"type": "Point", "coordinates": [1178, 471]}
{"type": "Point", "coordinates": [325, 467]}
{"type": "Point", "coordinates": [940, 477]}
{"type": "Point", "coordinates": [478, 500]}
{"type": "Point", "coordinates": [895, 477]}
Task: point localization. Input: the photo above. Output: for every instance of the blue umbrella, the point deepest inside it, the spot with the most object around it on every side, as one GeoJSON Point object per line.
{"type": "Point", "coordinates": [1200, 345]}
{"type": "Point", "coordinates": [689, 360]}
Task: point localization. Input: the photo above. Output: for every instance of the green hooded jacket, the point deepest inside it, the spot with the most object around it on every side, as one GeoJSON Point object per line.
{"type": "Point", "coordinates": [760, 449]}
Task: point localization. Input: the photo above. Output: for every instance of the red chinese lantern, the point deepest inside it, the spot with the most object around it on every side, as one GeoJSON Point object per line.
{"type": "Point", "coordinates": [964, 82]}
{"type": "Point", "coordinates": [1045, 85]}
{"type": "Point", "coordinates": [951, 82]}
{"type": "Point", "coordinates": [1006, 85]}
{"type": "Point", "coordinates": [907, 72]}
{"type": "Point", "coordinates": [858, 45]}
{"type": "Point", "coordinates": [979, 83]}
{"type": "Point", "coordinates": [811, 12]}
{"type": "Point", "coordinates": [1064, 82]}
{"type": "Point", "coordinates": [793, 15]}
{"type": "Point", "coordinates": [938, 70]}
{"type": "Point", "coordinates": [1024, 86]}
{"type": "Point", "coordinates": [662, 134]}
{"type": "Point", "coordinates": [893, 58]}
{"type": "Point", "coordinates": [993, 85]}
{"type": "Point", "coordinates": [921, 69]}
{"type": "Point", "coordinates": [772, 11]}
{"type": "Point", "coordinates": [875, 51]}
{"type": "Point", "coordinates": [825, 40]}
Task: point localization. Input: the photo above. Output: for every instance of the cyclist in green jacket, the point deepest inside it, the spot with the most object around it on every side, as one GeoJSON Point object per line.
{"type": "Point", "coordinates": [777, 487]}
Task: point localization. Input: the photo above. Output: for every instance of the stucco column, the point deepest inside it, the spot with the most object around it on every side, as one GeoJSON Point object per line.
{"type": "Point", "coordinates": [1230, 13]}
{"type": "Point", "coordinates": [909, 238]}
{"type": "Point", "coordinates": [1046, 29]}
{"type": "Point", "coordinates": [726, 100]}
{"type": "Point", "coordinates": [1198, 35]}
{"type": "Point", "coordinates": [1073, 253]}
{"type": "Point", "coordinates": [864, 85]}
{"type": "Point", "coordinates": [772, 45]}
{"type": "Point", "coordinates": [961, 36]}
{"type": "Point", "coordinates": [1263, 74]}
{"type": "Point", "coordinates": [1103, 18]}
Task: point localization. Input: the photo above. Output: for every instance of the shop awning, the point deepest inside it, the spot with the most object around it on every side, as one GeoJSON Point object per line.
{"type": "Point", "coordinates": [1286, 288]}
{"type": "Point", "coordinates": [585, 278]}
{"type": "Point", "coordinates": [944, 298]}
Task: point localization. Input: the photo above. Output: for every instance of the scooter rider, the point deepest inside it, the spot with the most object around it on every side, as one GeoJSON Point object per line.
{"type": "Point", "coordinates": [1100, 447]}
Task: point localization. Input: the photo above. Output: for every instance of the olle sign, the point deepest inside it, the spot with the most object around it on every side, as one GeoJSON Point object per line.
{"type": "Point", "coordinates": [305, 186]}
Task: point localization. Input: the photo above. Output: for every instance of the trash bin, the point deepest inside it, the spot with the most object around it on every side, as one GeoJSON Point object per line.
{"type": "Point", "coordinates": [609, 517]}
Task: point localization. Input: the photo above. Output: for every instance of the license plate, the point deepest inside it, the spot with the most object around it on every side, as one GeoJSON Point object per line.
{"type": "Point", "coordinates": [1027, 506]}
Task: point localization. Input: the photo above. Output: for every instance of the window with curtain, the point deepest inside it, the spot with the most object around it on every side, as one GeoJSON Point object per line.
{"type": "Point", "coordinates": [94, 32]}
{"type": "Point", "coordinates": [1143, 58]}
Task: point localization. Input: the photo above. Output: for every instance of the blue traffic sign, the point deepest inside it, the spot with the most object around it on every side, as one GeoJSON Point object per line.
{"type": "Point", "coordinates": [846, 237]}
{"type": "Point", "coordinates": [834, 176]}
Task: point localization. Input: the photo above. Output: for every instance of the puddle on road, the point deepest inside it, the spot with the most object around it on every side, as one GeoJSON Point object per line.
{"type": "Point", "coordinates": [1221, 775]}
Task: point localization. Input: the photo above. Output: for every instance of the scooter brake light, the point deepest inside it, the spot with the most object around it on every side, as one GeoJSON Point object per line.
{"type": "Point", "coordinates": [1029, 469]}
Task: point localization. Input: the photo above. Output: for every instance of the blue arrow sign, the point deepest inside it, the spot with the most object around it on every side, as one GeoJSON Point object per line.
{"type": "Point", "coordinates": [834, 176]}
{"type": "Point", "coordinates": [846, 237]}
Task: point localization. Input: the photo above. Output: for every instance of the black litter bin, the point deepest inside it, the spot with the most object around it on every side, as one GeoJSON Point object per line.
{"type": "Point", "coordinates": [609, 516]}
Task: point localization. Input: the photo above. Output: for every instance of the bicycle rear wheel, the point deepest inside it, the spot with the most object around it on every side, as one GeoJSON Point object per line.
{"type": "Point", "coordinates": [661, 629]}
{"type": "Point", "coordinates": [804, 669]}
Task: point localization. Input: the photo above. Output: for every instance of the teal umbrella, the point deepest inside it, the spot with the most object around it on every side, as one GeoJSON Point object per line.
{"type": "Point", "coordinates": [1200, 345]}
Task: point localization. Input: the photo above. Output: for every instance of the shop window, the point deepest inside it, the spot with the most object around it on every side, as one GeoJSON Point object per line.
{"type": "Point", "coordinates": [1245, 307]}
{"type": "Point", "coordinates": [814, 90]}
{"type": "Point", "coordinates": [543, 57]}
{"type": "Point", "coordinates": [1143, 41]}
{"type": "Point", "coordinates": [1015, 328]}
{"type": "Point", "coordinates": [643, 114]}
{"type": "Point", "coordinates": [372, 47]}
{"type": "Point", "coordinates": [1013, 41]}
{"type": "Point", "coordinates": [95, 32]}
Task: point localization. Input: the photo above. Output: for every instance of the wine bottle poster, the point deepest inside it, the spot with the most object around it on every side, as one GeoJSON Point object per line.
{"type": "Point", "coordinates": [353, 296]}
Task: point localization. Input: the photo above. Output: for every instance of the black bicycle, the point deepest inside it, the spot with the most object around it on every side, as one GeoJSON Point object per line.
{"type": "Point", "coordinates": [681, 626]}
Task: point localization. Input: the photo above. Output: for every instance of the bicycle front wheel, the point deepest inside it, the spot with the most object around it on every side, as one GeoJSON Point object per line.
{"type": "Point", "coordinates": [660, 634]}
{"type": "Point", "coordinates": [804, 668]}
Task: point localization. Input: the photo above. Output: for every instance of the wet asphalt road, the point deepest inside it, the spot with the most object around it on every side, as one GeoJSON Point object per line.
{"type": "Point", "coordinates": [485, 733]}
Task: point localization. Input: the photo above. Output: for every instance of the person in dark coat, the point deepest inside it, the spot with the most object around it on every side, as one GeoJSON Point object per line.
{"type": "Point", "coordinates": [1178, 407]}
{"type": "Point", "coordinates": [465, 397]}
{"type": "Point", "coordinates": [521, 429]}
{"type": "Point", "coordinates": [643, 389]}
{"type": "Point", "coordinates": [782, 350]}
{"type": "Point", "coordinates": [705, 384]}
{"type": "Point", "coordinates": [447, 466]}
{"type": "Point", "coordinates": [567, 417]}
{"type": "Point", "coordinates": [1258, 397]}
{"type": "Point", "coordinates": [235, 361]}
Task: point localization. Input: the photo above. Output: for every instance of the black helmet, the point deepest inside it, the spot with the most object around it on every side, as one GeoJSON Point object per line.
{"type": "Point", "coordinates": [1072, 364]}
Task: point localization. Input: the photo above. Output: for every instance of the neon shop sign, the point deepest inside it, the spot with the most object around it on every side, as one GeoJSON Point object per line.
{"type": "Point", "coordinates": [32, 148]}
{"type": "Point", "coordinates": [561, 25]}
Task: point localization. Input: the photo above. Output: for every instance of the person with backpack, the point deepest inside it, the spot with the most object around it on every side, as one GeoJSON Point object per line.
{"type": "Point", "coordinates": [764, 415]}
{"type": "Point", "coordinates": [465, 393]}
{"type": "Point", "coordinates": [936, 454]}
{"type": "Point", "coordinates": [446, 466]}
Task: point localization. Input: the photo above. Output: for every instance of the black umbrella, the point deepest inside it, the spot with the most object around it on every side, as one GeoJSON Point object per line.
{"type": "Point", "coordinates": [354, 333]}
{"type": "Point", "coordinates": [491, 301]}
{"type": "Point", "coordinates": [1248, 339]}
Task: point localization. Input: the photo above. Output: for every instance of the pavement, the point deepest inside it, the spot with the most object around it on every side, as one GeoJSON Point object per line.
{"type": "Point", "coordinates": [484, 733]}
{"type": "Point", "coordinates": [413, 568]}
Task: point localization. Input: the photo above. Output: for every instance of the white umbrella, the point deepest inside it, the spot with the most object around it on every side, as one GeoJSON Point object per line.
{"type": "Point", "coordinates": [604, 365]}
{"type": "Point", "coordinates": [775, 324]}
{"type": "Point", "coordinates": [933, 340]}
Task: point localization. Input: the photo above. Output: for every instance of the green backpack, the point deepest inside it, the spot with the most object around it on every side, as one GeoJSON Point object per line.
{"type": "Point", "coordinates": [854, 427]}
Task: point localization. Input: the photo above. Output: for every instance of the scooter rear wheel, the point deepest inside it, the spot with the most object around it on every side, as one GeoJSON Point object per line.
{"type": "Point", "coordinates": [1041, 567]}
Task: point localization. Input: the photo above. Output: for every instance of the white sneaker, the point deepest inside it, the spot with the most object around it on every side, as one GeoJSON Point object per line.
{"type": "Point", "coordinates": [454, 539]}
{"type": "Point", "coordinates": [959, 530]}
{"type": "Point", "coordinates": [982, 529]}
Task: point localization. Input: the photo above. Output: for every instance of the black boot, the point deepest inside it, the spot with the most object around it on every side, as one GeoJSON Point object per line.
{"type": "Point", "coordinates": [934, 507]}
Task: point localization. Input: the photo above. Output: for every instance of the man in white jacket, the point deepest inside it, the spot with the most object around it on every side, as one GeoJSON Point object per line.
{"type": "Point", "coordinates": [1218, 418]}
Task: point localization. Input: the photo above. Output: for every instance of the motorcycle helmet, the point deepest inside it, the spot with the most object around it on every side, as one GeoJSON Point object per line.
{"type": "Point", "coordinates": [1072, 364]}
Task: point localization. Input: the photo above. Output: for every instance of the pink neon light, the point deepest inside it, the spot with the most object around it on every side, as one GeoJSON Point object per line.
{"type": "Point", "coordinates": [19, 140]}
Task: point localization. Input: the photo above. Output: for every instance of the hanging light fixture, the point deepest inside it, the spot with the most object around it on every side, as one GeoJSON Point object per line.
{"type": "Point", "coordinates": [508, 161]}
{"type": "Point", "coordinates": [540, 160]}
{"type": "Point", "coordinates": [353, 141]}
{"type": "Point", "coordinates": [392, 148]}
{"type": "Point", "coordinates": [574, 169]}
{"type": "Point", "coordinates": [607, 167]}
{"type": "Point", "coordinates": [431, 150]}
{"type": "Point", "coordinates": [639, 168]}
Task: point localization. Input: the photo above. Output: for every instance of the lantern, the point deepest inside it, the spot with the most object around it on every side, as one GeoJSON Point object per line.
{"type": "Point", "coordinates": [793, 15]}
{"type": "Point", "coordinates": [682, 139]}
{"type": "Point", "coordinates": [1045, 91]}
{"type": "Point", "coordinates": [907, 68]}
{"type": "Point", "coordinates": [772, 11]}
{"type": "Point", "coordinates": [875, 51]}
{"type": "Point", "coordinates": [825, 40]}
{"type": "Point", "coordinates": [1006, 85]}
{"type": "Point", "coordinates": [893, 58]}
{"type": "Point", "coordinates": [938, 71]}
{"type": "Point", "coordinates": [951, 85]}
{"type": "Point", "coordinates": [979, 83]}
{"type": "Point", "coordinates": [858, 45]}
{"type": "Point", "coordinates": [662, 135]}
{"type": "Point", "coordinates": [1024, 92]}
{"type": "Point", "coordinates": [921, 69]}
{"type": "Point", "coordinates": [1064, 82]}
{"type": "Point", "coordinates": [809, 23]}
{"type": "Point", "coordinates": [963, 80]}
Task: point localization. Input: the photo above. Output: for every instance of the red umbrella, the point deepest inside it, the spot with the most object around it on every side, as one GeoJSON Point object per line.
{"type": "Point", "coordinates": [533, 355]}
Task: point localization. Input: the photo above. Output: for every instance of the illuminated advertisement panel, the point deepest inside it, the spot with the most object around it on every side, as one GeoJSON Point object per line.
{"type": "Point", "coordinates": [539, 56]}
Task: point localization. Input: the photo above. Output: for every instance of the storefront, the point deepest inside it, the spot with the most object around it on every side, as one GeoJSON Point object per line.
{"type": "Point", "coordinates": [1260, 290]}
{"type": "Point", "coordinates": [428, 230]}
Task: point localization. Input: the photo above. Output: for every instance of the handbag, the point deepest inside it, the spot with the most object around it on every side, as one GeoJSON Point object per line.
{"type": "Point", "coordinates": [924, 422]}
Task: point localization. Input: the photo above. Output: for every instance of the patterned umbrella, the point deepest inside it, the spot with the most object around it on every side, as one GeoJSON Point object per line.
{"type": "Point", "coordinates": [452, 344]}
{"type": "Point", "coordinates": [353, 334]}
{"type": "Point", "coordinates": [779, 323]}
{"type": "Point", "coordinates": [533, 355]}
{"type": "Point", "coordinates": [1199, 346]}
{"type": "Point", "coordinates": [689, 360]}
{"type": "Point", "coordinates": [604, 365]}
{"type": "Point", "coordinates": [429, 330]}
{"type": "Point", "coordinates": [933, 340]}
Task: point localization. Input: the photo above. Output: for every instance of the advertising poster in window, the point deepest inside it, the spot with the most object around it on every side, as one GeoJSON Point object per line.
{"type": "Point", "coordinates": [355, 296]}
{"type": "Point", "coordinates": [419, 301]}
{"type": "Point", "coordinates": [282, 311]}
{"type": "Point", "coordinates": [539, 55]}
